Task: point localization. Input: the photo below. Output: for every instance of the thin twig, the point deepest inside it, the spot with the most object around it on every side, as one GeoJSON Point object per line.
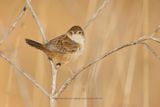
{"type": "Point", "coordinates": [43, 37]}
{"type": "Point", "coordinates": [53, 84]}
{"type": "Point", "coordinates": [135, 42]}
{"type": "Point", "coordinates": [155, 39]}
{"type": "Point", "coordinates": [151, 50]}
{"type": "Point", "coordinates": [42, 34]}
{"type": "Point", "coordinates": [53, 67]}
{"type": "Point", "coordinates": [13, 25]}
{"type": "Point", "coordinates": [98, 11]}
{"type": "Point", "coordinates": [37, 20]}
{"type": "Point", "coordinates": [155, 31]}
{"type": "Point", "coordinates": [18, 68]}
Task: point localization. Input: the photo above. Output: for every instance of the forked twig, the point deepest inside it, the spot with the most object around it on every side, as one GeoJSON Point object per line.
{"type": "Point", "coordinates": [13, 25]}
{"type": "Point", "coordinates": [53, 67]}
{"type": "Point", "coordinates": [37, 20]}
{"type": "Point", "coordinates": [97, 12]}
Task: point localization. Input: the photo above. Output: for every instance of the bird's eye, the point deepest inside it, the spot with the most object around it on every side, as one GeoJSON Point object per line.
{"type": "Point", "coordinates": [79, 32]}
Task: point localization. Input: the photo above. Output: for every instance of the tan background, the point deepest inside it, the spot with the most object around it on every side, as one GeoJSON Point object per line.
{"type": "Point", "coordinates": [129, 78]}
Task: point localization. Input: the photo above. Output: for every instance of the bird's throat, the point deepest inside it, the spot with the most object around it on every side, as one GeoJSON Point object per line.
{"type": "Point", "coordinates": [78, 39]}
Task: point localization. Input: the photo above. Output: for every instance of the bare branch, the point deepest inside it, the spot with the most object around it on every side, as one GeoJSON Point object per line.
{"type": "Point", "coordinates": [53, 67]}
{"type": "Point", "coordinates": [155, 31]}
{"type": "Point", "coordinates": [151, 50]}
{"type": "Point", "coordinates": [37, 20]}
{"type": "Point", "coordinates": [53, 84]}
{"type": "Point", "coordinates": [12, 27]}
{"type": "Point", "coordinates": [98, 11]}
{"type": "Point", "coordinates": [155, 39]}
{"type": "Point", "coordinates": [141, 40]}
{"type": "Point", "coordinates": [19, 69]}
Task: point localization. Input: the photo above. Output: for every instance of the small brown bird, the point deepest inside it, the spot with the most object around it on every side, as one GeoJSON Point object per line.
{"type": "Point", "coordinates": [63, 48]}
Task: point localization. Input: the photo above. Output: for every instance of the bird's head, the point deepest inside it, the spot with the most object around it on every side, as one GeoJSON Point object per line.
{"type": "Point", "coordinates": [76, 34]}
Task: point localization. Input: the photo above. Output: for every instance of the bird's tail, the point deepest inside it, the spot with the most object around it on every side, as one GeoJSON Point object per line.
{"type": "Point", "coordinates": [35, 44]}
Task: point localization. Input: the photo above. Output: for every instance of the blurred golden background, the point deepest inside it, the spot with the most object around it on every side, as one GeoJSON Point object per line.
{"type": "Point", "coordinates": [128, 78]}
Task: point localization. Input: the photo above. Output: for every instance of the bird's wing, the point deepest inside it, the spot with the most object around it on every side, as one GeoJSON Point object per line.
{"type": "Point", "coordinates": [62, 45]}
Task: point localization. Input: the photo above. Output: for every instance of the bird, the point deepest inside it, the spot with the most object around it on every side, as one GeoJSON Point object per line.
{"type": "Point", "coordinates": [63, 48]}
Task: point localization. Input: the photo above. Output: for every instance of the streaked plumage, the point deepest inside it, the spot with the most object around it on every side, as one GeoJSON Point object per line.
{"type": "Point", "coordinates": [63, 48]}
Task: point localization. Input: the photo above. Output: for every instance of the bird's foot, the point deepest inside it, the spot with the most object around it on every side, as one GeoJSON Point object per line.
{"type": "Point", "coordinates": [58, 65]}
